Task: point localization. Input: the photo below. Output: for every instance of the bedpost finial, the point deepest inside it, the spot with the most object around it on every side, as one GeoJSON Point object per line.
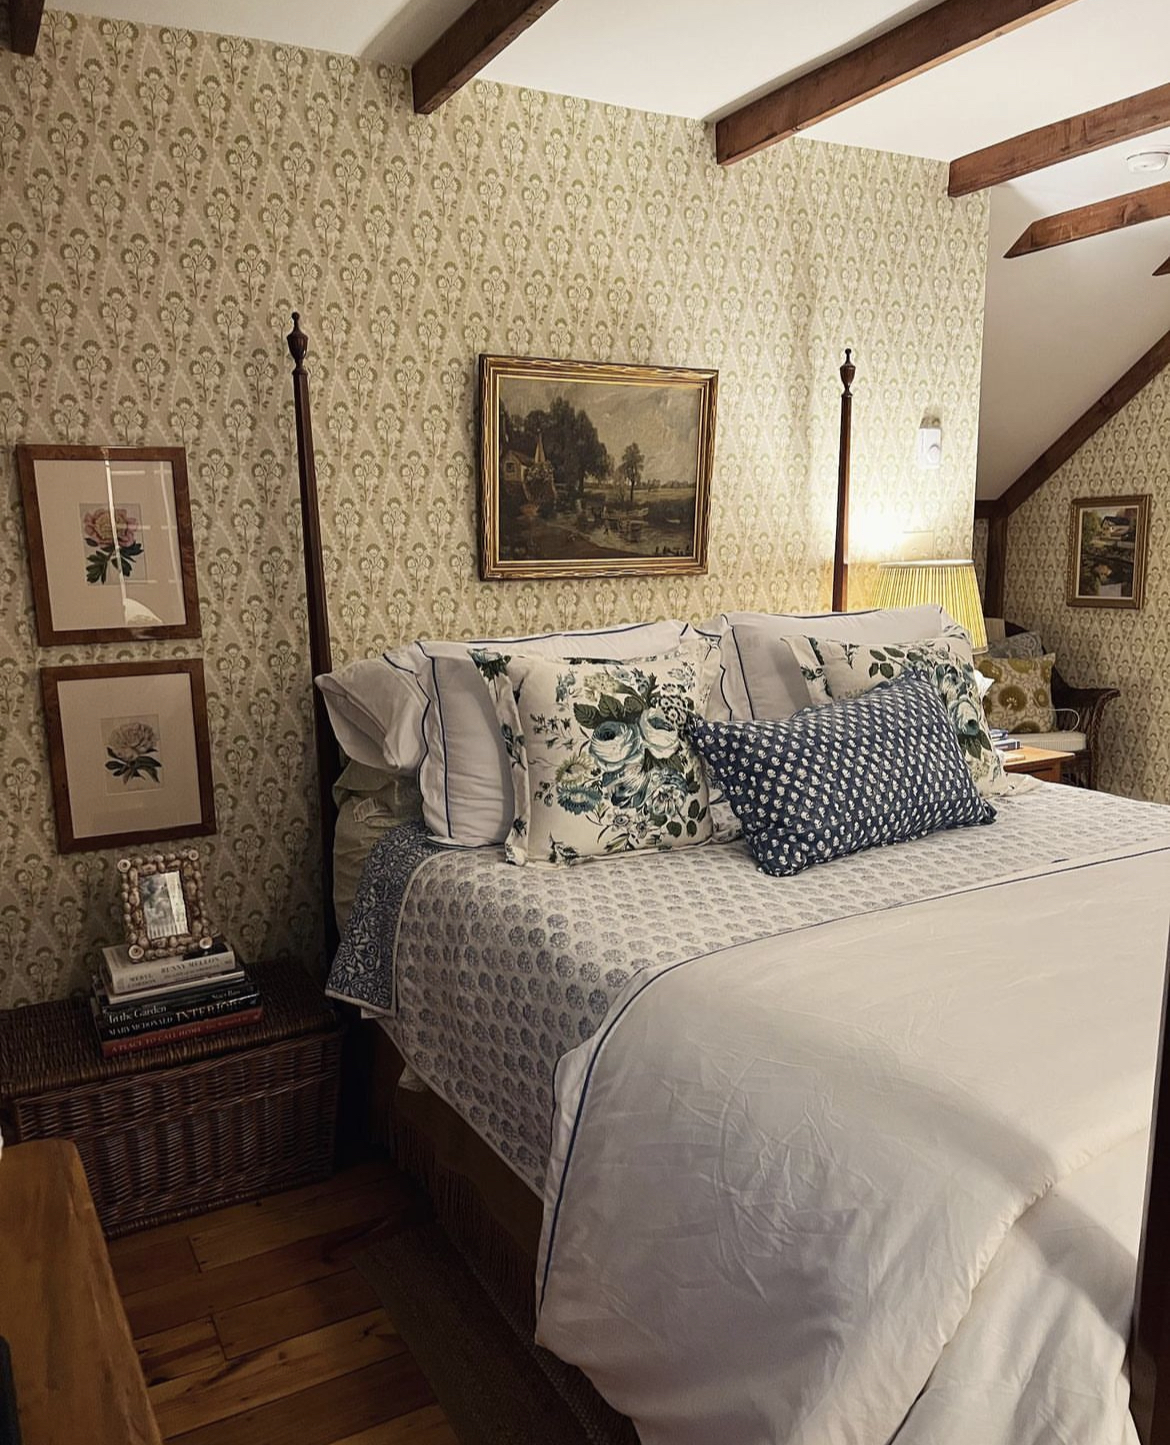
{"type": "Point", "coordinates": [848, 371]}
{"type": "Point", "coordinates": [298, 343]}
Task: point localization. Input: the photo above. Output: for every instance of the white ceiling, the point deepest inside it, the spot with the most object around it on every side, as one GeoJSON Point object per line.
{"type": "Point", "coordinates": [1061, 326]}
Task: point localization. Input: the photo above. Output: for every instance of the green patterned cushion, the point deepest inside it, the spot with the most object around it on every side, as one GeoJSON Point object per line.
{"type": "Point", "coordinates": [1020, 697]}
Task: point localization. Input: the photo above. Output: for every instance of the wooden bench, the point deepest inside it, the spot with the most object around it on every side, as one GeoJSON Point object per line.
{"type": "Point", "coordinates": [74, 1366]}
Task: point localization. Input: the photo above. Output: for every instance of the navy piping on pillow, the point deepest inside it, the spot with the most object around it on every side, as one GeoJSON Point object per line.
{"type": "Point", "coordinates": [443, 735]}
{"type": "Point", "coordinates": [743, 673]}
{"type": "Point", "coordinates": [422, 722]}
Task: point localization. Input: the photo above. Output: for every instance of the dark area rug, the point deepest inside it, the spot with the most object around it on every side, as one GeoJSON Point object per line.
{"type": "Point", "coordinates": [495, 1384]}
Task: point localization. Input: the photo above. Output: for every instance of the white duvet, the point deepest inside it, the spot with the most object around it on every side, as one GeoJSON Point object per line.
{"type": "Point", "coordinates": [881, 1177]}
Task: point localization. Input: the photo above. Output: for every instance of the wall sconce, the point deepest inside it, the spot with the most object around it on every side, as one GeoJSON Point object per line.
{"type": "Point", "coordinates": [928, 448]}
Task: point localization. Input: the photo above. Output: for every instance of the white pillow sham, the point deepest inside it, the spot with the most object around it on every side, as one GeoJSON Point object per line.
{"type": "Point", "coordinates": [376, 708]}
{"type": "Point", "coordinates": [761, 677]}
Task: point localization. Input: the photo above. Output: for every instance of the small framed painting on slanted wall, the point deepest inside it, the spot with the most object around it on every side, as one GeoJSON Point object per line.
{"type": "Point", "coordinates": [1109, 539]}
{"type": "Point", "coordinates": [129, 753]}
{"type": "Point", "coordinates": [594, 469]}
{"type": "Point", "coordinates": [109, 542]}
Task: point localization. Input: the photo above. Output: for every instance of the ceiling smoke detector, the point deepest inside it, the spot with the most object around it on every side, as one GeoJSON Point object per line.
{"type": "Point", "coordinates": [1145, 161]}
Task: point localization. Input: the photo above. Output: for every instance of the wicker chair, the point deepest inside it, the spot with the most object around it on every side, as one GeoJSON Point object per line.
{"type": "Point", "coordinates": [1089, 704]}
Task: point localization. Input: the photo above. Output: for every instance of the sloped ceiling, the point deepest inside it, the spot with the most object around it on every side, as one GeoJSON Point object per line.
{"type": "Point", "coordinates": [1061, 326]}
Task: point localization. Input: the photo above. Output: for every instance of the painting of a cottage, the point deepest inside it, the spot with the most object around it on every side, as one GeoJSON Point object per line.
{"type": "Point", "coordinates": [591, 469]}
{"type": "Point", "coordinates": [1108, 541]}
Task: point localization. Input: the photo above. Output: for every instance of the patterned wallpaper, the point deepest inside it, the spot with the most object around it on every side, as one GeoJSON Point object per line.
{"type": "Point", "coordinates": [167, 198]}
{"type": "Point", "coordinates": [1099, 647]}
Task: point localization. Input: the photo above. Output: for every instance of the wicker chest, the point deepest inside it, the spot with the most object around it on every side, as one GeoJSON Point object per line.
{"type": "Point", "coordinates": [188, 1127]}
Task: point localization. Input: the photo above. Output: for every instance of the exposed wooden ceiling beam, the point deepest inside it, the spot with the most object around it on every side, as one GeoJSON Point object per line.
{"type": "Point", "coordinates": [1164, 268]}
{"type": "Point", "coordinates": [24, 25]}
{"type": "Point", "coordinates": [1123, 391]}
{"type": "Point", "coordinates": [1061, 141]}
{"type": "Point", "coordinates": [1096, 219]}
{"type": "Point", "coordinates": [917, 45]}
{"type": "Point", "coordinates": [484, 29]}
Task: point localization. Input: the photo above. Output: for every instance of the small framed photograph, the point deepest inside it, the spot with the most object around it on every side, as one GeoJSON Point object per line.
{"type": "Point", "coordinates": [129, 753]}
{"type": "Point", "coordinates": [163, 904]}
{"type": "Point", "coordinates": [109, 543]}
{"type": "Point", "coordinates": [594, 469]}
{"type": "Point", "coordinates": [1109, 538]}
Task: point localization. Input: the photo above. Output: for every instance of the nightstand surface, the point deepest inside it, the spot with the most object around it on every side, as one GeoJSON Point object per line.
{"type": "Point", "coordinates": [1038, 762]}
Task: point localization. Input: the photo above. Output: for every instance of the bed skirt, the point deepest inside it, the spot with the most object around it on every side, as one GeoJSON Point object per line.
{"type": "Point", "coordinates": [493, 1219]}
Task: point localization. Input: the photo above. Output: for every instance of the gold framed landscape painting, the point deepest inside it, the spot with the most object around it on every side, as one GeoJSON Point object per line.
{"type": "Point", "coordinates": [1108, 542]}
{"type": "Point", "coordinates": [594, 469]}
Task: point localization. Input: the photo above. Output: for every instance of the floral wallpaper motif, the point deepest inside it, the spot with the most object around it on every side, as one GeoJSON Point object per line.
{"type": "Point", "coordinates": [167, 198]}
{"type": "Point", "coordinates": [1098, 647]}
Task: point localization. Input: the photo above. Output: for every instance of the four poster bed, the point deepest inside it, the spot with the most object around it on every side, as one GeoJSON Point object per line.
{"type": "Point", "coordinates": [851, 1173]}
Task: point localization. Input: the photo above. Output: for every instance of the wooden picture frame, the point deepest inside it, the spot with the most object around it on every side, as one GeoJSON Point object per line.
{"type": "Point", "coordinates": [1108, 546]}
{"type": "Point", "coordinates": [129, 753]}
{"type": "Point", "coordinates": [110, 545]}
{"type": "Point", "coordinates": [164, 907]}
{"type": "Point", "coordinates": [594, 469]}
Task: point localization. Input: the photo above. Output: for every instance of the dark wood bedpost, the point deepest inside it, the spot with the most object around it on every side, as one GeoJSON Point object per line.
{"type": "Point", "coordinates": [1149, 1351]}
{"type": "Point", "coordinates": [320, 652]}
{"type": "Point", "coordinates": [841, 550]}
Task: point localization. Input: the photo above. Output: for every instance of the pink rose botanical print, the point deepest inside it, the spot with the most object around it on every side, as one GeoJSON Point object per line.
{"type": "Point", "coordinates": [132, 752]}
{"type": "Point", "coordinates": [113, 546]}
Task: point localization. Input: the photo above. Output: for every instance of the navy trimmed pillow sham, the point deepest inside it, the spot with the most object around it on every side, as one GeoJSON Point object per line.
{"type": "Point", "coordinates": [880, 768]}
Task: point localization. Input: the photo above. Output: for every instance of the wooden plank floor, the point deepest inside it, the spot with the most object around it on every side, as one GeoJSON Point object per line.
{"type": "Point", "coordinates": [253, 1328]}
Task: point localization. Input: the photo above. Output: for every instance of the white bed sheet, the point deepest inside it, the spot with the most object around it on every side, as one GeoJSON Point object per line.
{"type": "Point", "coordinates": [781, 1176]}
{"type": "Point", "coordinates": [1047, 1309]}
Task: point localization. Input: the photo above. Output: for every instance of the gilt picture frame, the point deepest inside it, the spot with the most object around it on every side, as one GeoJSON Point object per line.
{"type": "Point", "coordinates": [1109, 540]}
{"type": "Point", "coordinates": [594, 469]}
{"type": "Point", "coordinates": [110, 545]}
{"type": "Point", "coordinates": [129, 753]}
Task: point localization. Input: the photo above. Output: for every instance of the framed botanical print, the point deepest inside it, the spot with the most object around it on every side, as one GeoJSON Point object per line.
{"type": "Point", "coordinates": [109, 542]}
{"type": "Point", "coordinates": [129, 753]}
{"type": "Point", "coordinates": [1109, 538]}
{"type": "Point", "coordinates": [592, 469]}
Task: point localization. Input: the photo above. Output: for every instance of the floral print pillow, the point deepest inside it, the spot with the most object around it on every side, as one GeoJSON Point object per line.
{"type": "Point", "coordinates": [599, 754]}
{"type": "Point", "coordinates": [838, 670]}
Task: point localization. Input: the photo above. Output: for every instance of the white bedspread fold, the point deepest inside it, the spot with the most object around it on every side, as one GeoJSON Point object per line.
{"type": "Point", "coordinates": [780, 1172]}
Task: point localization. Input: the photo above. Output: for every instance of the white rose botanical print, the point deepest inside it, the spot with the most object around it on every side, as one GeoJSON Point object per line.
{"type": "Point", "coordinates": [168, 197]}
{"type": "Point", "coordinates": [132, 746]}
{"type": "Point", "coordinates": [600, 757]}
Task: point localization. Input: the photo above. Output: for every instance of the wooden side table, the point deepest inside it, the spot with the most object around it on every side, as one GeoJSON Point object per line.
{"type": "Point", "coordinates": [1039, 762]}
{"type": "Point", "coordinates": [74, 1367]}
{"type": "Point", "coordinates": [190, 1126]}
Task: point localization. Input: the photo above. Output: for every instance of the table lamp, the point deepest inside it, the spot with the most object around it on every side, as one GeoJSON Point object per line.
{"type": "Point", "coordinates": [952, 584]}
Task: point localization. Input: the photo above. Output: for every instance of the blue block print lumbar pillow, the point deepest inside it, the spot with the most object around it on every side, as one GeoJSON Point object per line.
{"type": "Point", "coordinates": [880, 768]}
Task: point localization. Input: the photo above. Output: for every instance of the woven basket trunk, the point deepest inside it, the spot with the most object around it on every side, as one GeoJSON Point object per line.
{"type": "Point", "coordinates": [190, 1128]}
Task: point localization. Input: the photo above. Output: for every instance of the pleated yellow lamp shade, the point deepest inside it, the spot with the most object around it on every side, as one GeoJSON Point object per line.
{"type": "Point", "coordinates": [952, 584]}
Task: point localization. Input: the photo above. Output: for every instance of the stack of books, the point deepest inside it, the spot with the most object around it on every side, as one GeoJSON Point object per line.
{"type": "Point", "coordinates": [144, 1005]}
{"type": "Point", "coordinates": [1005, 744]}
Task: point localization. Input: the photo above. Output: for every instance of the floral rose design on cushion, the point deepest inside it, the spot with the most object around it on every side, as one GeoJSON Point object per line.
{"type": "Point", "coordinates": [836, 670]}
{"type": "Point", "coordinates": [600, 755]}
{"type": "Point", "coordinates": [112, 541]}
{"type": "Point", "coordinates": [133, 752]}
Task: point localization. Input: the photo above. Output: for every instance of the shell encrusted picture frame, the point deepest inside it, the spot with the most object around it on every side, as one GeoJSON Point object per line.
{"type": "Point", "coordinates": [159, 919]}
